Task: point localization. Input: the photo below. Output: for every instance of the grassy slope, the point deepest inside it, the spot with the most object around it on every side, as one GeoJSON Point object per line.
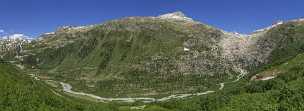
{"type": "Point", "coordinates": [20, 93]}
{"type": "Point", "coordinates": [131, 57]}
{"type": "Point", "coordinates": [286, 41]}
{"type": "Point", "coordinates": [284, 93]}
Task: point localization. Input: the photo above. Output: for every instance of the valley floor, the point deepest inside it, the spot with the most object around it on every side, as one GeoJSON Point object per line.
{"type": "Point", "coordinates": [68, 89]}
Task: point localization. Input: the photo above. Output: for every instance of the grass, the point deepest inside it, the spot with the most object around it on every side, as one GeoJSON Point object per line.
{"type": "Point", "coordinates": [127, 58]}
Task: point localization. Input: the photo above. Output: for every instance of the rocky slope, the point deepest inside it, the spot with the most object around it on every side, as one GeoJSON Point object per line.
{"type": "Point", "coordinates": [11, 46]}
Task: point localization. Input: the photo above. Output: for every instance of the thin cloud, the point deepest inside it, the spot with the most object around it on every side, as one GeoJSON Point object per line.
{"type": "Point", "coordinates": [1, 31]}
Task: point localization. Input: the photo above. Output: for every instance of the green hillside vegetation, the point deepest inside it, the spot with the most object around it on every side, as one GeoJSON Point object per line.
{"type": "Point", "coordinates": [286, 40]}
{"type": "Point", "coordinates": [133, 56]}
{"type": "Point", "coordinates": [20, 93]}
{"type": "Point", "coordinates": [284, 93]}
{"type": "Point", "coordinates": [153, 57]}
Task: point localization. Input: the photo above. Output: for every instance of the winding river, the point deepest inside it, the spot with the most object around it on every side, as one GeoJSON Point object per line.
{"type": "Point", "coordinates": [68, 89]}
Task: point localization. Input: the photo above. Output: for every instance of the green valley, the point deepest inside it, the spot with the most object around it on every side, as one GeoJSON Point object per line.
{"type": "Point", "coordinates": [165, 63]}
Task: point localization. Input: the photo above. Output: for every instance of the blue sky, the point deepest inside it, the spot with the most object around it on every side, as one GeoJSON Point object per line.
{"type": "Point", "coordinates": [34, 17]}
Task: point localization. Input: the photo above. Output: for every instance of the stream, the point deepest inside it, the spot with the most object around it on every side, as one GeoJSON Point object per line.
{"type": "Point", "coordinates": [68, 89]}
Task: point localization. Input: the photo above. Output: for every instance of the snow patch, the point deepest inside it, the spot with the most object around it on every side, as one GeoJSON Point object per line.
{"type": "Point", "coordinates": [270, 27]}
{"type": "Point", "coordinates": [186, 49]}
{"type": "Point", "coordinates": [175, 16]}
{"type": "Point", "coordinates": [17, 36]}
{"type": "Point", "coordinates": [49, 33]}
{"type": "Point", "coordinates": [298, 20]}
{"type": "Point", "coordinates": [70, 28]}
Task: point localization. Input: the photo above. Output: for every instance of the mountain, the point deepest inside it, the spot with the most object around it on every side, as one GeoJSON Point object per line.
{"type": "Point", "coordinates": [11, 45]}
{"type": "Point", "coordinates": [157, 59]}
{"type": "Point", "coordinates": [133, 55]}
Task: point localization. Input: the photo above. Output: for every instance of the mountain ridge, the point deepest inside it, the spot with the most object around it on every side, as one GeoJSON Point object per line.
{"type": "Point", "coordinates": [189, 19]}
{"type": "Point", "coordinates": [152, 49]}
{"type": "Point", "coordinates": [151, 63]}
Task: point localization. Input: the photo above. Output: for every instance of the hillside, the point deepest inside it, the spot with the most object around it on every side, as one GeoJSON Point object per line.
{"type": "Point", "coordinates": [160, 59]}
{"type": "Point", "coordinates": [164, 55]}
{"type": "Point", "coordinates": [20, 93]}
{"type": "Point", "coordinates": [134, 55]}
{"type": "Point", "coordinates": [282, 93]}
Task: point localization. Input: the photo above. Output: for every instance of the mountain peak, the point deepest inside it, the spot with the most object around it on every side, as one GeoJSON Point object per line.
{"type": "Point", "coordinates": [275, 24]}
{"type": "Point", "coordinates": [17, 36]}
{"type": "Point", "coordinates": [176, 16]}
{"type": "Point", "coordinates": [178, 13]}
{"type": "Point", "coordinates": [298, 20]}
